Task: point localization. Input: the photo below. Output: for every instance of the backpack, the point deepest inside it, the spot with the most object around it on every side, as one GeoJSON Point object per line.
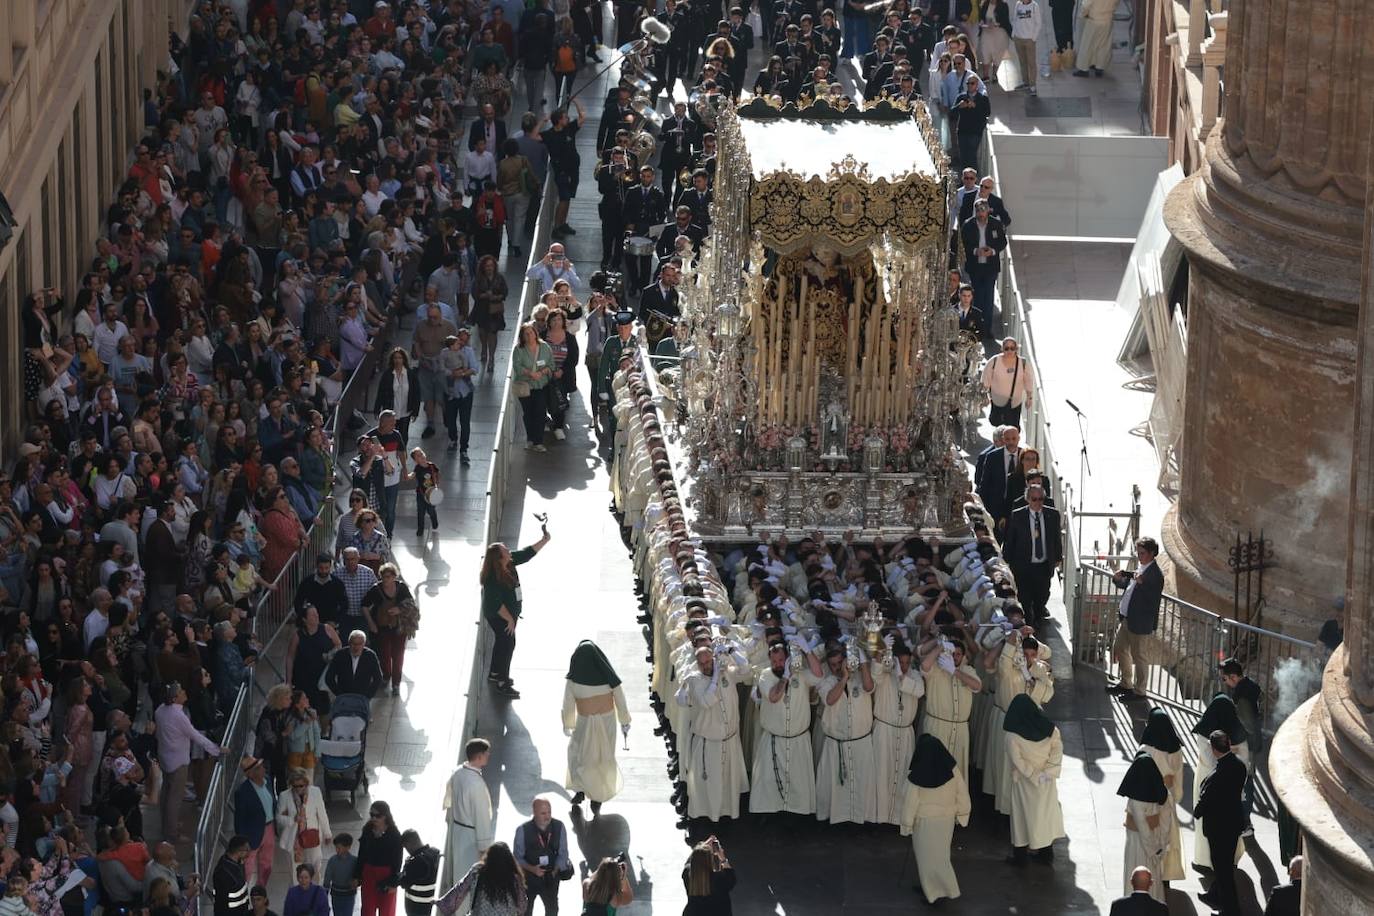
{"type": "Point", "coordinates": [565, 60]}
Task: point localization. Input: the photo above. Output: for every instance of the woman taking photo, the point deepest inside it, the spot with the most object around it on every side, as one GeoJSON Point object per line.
{"type": "Point", "coordinates": [607, 890]}
{"type": "Point", "coordinates": [709, 880]}
{"type": "Point", "coordinates": [383, 607]}
{"type": "Point", "coordinates": [533, 367]}
{"type": "Point", "coordinates": [489, 291]}
{"type": "Point", "coordinates": [502, 605]}
{"type": "Point", "coordinates": [1010, 382]}
{"type": "Point", "coordinates": [399, 390]}
{"type": "Point", "coordinates": [564, 352]}
{"type": "Point", "coordinates": [495, 884]}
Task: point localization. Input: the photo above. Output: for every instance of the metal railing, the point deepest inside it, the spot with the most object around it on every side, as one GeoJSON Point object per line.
{"type": "Point", "coordinates": [276, 608]}
{"type": "Point", "coordinates": [1187, 647]}
{"type": "Point", "coordinates": [508, 420]}
{"type": "Point", "coordinates": [1035, 423]}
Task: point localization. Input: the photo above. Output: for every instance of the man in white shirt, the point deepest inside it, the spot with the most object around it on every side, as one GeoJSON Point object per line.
{"type": "Point", "coordinates": [98, 620]}
{"type": "Point", "coordinates": [469, 810]}
{"type": "Point", "coordinates": [1139, 616]}
{"type": "Point", "coordinates": [108, 334]}
{"type": "Point", "coordinates": [1025, 29]}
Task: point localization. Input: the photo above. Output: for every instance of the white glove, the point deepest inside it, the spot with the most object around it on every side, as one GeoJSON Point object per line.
{"type": "Point", "coordinates": [890, 640]}
{"type": "Point", "coordinates": [946, 661]}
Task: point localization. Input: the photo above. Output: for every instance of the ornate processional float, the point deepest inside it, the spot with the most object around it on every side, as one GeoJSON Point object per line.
{"type": "Point", "coordinates": [822, 368]}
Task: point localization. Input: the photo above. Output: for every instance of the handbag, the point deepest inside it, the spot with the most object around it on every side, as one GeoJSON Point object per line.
{"type": "Point", "coordinates": [520, 389]}
{"type": "Point", "coordinates": [308, 838]}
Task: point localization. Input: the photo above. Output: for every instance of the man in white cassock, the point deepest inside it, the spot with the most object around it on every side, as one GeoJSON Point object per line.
{"type": "Point", "coordinates": [711, 759]}
{"type": "Point", "coordinates": [845, 777]}
{"type": "Point", "coordinates": [950, 686]}
{"type": "Point", "coordinates": [783, 776]}
{"type": "Point", "coordinates": [469, 810]}
{"type": "Point", "coordinates": [897, 690]}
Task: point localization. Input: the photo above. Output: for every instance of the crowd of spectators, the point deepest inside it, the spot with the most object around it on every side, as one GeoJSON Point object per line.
{"type": "Point", "coordinates": [302, 178]}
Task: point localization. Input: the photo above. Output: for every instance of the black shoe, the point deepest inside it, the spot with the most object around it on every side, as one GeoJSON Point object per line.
{"type": "Point", "coordinates": [569, 230]}
{"type": "Point", "coordinates": [453, 446]}
{"type": "Point", "coordinates": [429, 431]}
{"type": "Point", "coordinates": [579, 798]}
{"type": "Point", "coordinates": [1044, 856]}
{"type": "Point", "coordinates": [463, 459]}
{"type": "Point", "coordinates": [1081, 73]}
{"type": "Point", "coordinates": [508, 690]}
{"type": "Point", "coordinates": [1098, 71]}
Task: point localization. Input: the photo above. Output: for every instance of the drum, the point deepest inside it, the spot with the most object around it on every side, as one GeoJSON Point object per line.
{"type": "Point", "coordinates": [638, 246]}
{"type": "Point", "coordinates": [434, 496]}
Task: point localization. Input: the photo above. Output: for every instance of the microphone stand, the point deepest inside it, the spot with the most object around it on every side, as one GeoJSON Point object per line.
{"type": "Point", "coordinates": [1084, 470]}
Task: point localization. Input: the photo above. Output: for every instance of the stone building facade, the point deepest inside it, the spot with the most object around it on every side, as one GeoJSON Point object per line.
{"type": "Point", "coordinates": [1272, 223]}
{"type": "Point", "coordinates": [72, 74]}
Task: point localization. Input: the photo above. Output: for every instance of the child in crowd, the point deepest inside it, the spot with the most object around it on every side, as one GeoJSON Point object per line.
{"type": "Point", "coordinates": [426, 474]}
{"type": "Point", "coordinates": [338, 876]}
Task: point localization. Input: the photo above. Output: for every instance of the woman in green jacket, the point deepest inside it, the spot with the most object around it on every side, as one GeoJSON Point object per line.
{"type": "Point", "coordinates": [502, 603]}
{"type": "Point", "coordinates": [533, 367]}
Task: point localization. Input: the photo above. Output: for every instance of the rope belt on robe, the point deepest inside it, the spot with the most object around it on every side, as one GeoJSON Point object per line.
{"type": "Point", "coordinates": [844, 771]}
{"type": "Point", "coordinates": [773, 752]}
{"type": "Point", "coordinates": [704, 739]}
{"type": "Point", "coordinates": [950, 721]}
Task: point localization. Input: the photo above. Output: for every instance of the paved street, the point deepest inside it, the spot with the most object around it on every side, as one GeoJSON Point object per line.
{"type": "Point", "coordinates": [580, 587]}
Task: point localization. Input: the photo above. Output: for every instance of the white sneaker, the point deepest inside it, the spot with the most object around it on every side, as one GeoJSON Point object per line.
{"type": "Point", "coordinates": [540, 448]}
{"type": "Point", "coordinates": [1045, 72]}
{"type": "Point", "coordinates": [1032, 91]}
{"type": "Point", "coordinates": [559, 434]}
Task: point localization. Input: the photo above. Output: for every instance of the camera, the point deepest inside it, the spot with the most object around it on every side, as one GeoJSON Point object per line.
{"type": "Point", "coordinates": [609, 283]}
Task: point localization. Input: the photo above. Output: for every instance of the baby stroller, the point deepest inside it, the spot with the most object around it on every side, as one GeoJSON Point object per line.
{"type": "Point", "coordinates": [343, 751]}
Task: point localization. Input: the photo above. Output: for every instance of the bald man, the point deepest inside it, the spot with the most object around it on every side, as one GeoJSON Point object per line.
{"type": "Point", "coordinates": [1139, 902]}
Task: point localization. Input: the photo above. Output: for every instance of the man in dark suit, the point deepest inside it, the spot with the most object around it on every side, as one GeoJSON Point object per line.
{"type": "Point", "coordinates": [645, 206]}
{"type": "Point", "coordinates": [982, 459]}
{"type": "Point", "coordinates": [1286, 899]}
{"type": "Point", "coordinates": [1139, 616]}
{"type": "Point", "coordinates": [660, 298]}
{"type": "Point", "coordinates": [356, 670]}
{"type": "Point", "coordinates": [984, 192]}
{"type": "Point", "coordinates": [742, 39]}
{"type": "Point", "coordinates": [970, 316]}
{"type": "Point", "coordinates": [1139, 902]}
{"type": "Point", "coordinates": [490, 127]}
{"type": "Point", "coordinates": [679, 137]}
{"type": "Point", "coordinates": [614, 117]}
{"type": "Point", "coordinates": [1222, 816]}
{"type": "Point", "coordinates": [682, 224]}
{"type": "Point", "coordinates": [984, 239]}
{"type": "Point", "coordinates": [991, 478]}
{"type": "Point", "coordinates": [1034, 548]}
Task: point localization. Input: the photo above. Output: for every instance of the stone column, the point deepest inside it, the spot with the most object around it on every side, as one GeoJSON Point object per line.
{"type": "Point", "coordinates": [1322, 761]}
{"type": "Point", "coordinates": [1272, 224]}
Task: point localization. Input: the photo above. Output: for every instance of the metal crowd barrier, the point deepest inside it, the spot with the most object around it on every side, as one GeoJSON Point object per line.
{"type": "Point", "coordinates": [276, 607]}
{"type": "Point", "coordinates": [1186, 649]}
{"type": "Point", "coordinates": [1035, 424]}
{"type": "Point", "coordinates": [508, 431]}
